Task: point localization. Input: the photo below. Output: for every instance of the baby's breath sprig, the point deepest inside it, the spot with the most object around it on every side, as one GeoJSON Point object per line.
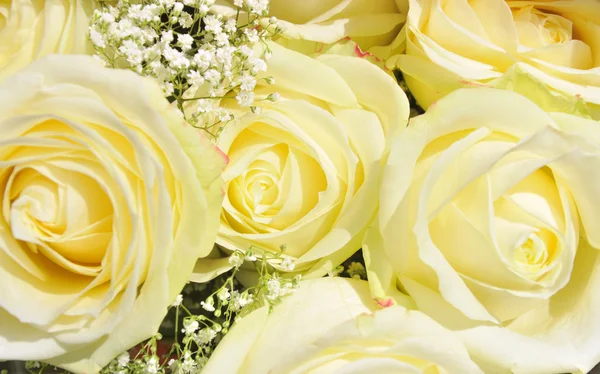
{"type": "Point", "coordinates": [198, 56]}
{"type": "Point", "coordinates": [197, 334]}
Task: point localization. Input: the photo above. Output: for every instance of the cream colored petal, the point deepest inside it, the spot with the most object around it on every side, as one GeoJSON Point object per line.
{"type": "Point", "coordinates": [375, 91]}
{"type": "Point", "coordinates": [311, 78]}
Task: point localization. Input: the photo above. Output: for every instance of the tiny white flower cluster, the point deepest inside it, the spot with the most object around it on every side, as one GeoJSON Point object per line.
{"type": "Point", "coordinates": [199, 57]}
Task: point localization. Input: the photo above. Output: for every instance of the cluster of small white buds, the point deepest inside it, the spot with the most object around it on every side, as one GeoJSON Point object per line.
{"type": "Point", "coordinates": [198, 56]}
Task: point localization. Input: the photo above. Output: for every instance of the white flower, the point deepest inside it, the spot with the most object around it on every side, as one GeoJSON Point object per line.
{"type": "Point", "coordinates": [132, 52]}
{"type": "Point", "coordinates": [166, 36]}
{"type": "Point", "coordinates": [287, 264]}
{"type": "Point", "coordinates": [223, 294]}
{"type": "Point", "coordinates": [188, 364]}
{"type": "Point", "coordinates": [258, 65]}
{"type": "Point", "coordinates": [273, 288]}
{"type": "Point", "coordinates": [97, 38]}
{"type": "Point", "coordinates": [224, 115]}
{"type": "Point", "coordinates": [186, 20]}
{"type": "Point", "coordinates": [178, 300]}
{"type": "Point", "coordinates": [213, 76]}
{"type": "Point", "coordinates": [152, 365]}
{"type": "Point", "coordinates": [205, 336]}
{"type": "Point", "coordinates": [245, 98]}
{"type": "Point", "coordinates": [236, 260]}
{"type": "Point", "coordinates": [167, 88]}
{"type": "Point", "coordinates": [190, 326]}
{"type": "Point", "coordinates": [195, 78]}
{"type": "Point", "coordinates": [238, 3]}
{"type": "Point", "coordinates": [208, 305]}
{"type": "Point", "coordinates": [230, 26]}
{"type": "Point", "coordinates": [204, 106]}
{"type": "Point", "coordinates": [246, 51]}
{"type": "Point", "coordinates": [247, 83]}
{"type": "Point", "coordinates": [177, 7]}
{"type": "Point", "coordinates": [252, 35]}
{"type": "Point", "coordinates": [202, 59]}
{"type": "Point", "coordinates": [212, 24]}
{"type": "Point", "coordinates": [185, 41]}
{"type": "Point", "coordinates": [222, 39]}
{"type": "Point", "coordinates": [123, 359]}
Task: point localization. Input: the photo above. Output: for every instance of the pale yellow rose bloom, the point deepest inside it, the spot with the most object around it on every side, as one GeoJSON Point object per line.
{"type": "Point", "coordinates": [331, 325]}
{"type": "Point", "coordinates": [304, 172]}
{"type": "Point", "coordinates": [374, 24]}
{"type": "Point", "coordinates": [31, 29]}
{"type": "Point", "coordinates": [454, 43]}
{"type": "Point", "coordinates": [108, 199]}
{"type": "Point", "coordinates": [488, 220]}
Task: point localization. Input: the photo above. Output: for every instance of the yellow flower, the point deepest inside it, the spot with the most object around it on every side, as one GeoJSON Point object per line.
{"type": "Point", "coordinates": [453, 43]}
{"type": "Point", "coordinates": [488, 221]}
{"type": "Point", "coordinates": [30, 30]}
{"type": "Point", "coordinates": [331, 325]}
{"type": "Point", "coordinates": [303, 173]}
{"type": "Point", "coordinates": [374, 24]}
{"type": "Point", "coordinates": [107, 201]}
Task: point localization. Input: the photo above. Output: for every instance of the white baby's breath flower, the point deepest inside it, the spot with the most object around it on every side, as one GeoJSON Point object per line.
{"type": "Point", "coordinates": [212, 24]}
{"type": "Point", "coordinates": [168, 88]}
{"type": "Point", "coordinates": [190, 326]}
{"type": "Point", "coordinates": [123, 359]}
{"type": "Point", "coordinates": [213, 76]}
{"type": "Point", "coordinates": [185, 41]}
{"type": "Point", "coordinates": [186, 20]}
{"type": "Point", "coordinates": [205, 336]}
{"type": "Point", "coordinates": [223, 294]}
{"type": "Point", "coordinates": [204, 106]}
{"type": "Point", "coordinates": [236, 260]}
{"type": "Point", "coordinates": [252, 35]}
{"type": "Point", "coordinates": [195, 78]}
{"type": "Point", "coordinates": [151, 365]}
{"type": "Point", "coordinates": [177, 8]}
{"type": "Point", "coordinates": [208, 304]}
{"type": "Point", "coordinates": [166, 37]}
{"type": "Point", "coordinates": [97, 38]}
{"type": "Point", "coordinates": [287, 264]}
{"type": "Point", "coordinates": [178, 300]}
{"type": "Point", "coordinates": [247, 83]}
{"type": "Point", "coordinates": [245, 98]}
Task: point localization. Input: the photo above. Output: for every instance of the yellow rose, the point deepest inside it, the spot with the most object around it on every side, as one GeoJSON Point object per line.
{"type": "Point", "coordinates": [487, 206]}
{"type": "Point", "coordinates": [107, 201]}
{"type": "Point", "coordinates": [374, 24]}
{"type": "Point", "coordinates": [453, 43]}
{"type": "Point", "coordinates": [304, 172]}
{"type": "Point", "coordinates": [30, 30]}
{"type": "Point", "coordinates": [331, 325]}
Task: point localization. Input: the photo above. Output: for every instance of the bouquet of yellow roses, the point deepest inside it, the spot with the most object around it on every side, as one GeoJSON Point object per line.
{"type": "Point", "coordinates": [317, 186]}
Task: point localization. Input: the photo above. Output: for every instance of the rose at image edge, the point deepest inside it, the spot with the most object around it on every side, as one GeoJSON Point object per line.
{"type": "Point", "coordinates": [302, 173]}
{"type": "Point", "coordinates": [332, 324]}
{"type": "Point", "coordinates": [58, 304]}
{"type": "Point", "coordinates": [30, 31]}
{"type": "Point", "coordinates": [466, 44]}
{"type": "Point", "coordinates": [487, 222]}
{"type": "Point", "coordinates": [374, 24]}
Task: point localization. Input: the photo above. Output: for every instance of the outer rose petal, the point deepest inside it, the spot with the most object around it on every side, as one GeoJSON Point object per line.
{"type": "Point", "coordinates": [331, 324]}
{"type": "Point", "coordinates": [81, 322]}
{"type": "Point", "coordinates": [32, 32]}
